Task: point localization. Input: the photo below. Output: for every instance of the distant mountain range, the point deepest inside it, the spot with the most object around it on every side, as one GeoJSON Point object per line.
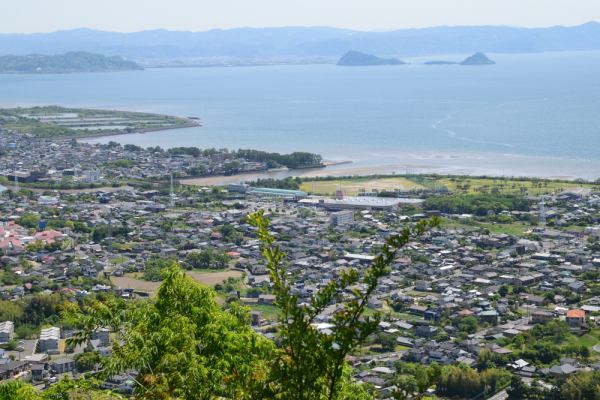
{"type": "Point", "coordinates": [79, 61]}
{"type": "Point", "coordinates": [309, 42]}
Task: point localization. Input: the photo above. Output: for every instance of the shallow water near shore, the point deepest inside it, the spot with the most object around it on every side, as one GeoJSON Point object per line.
{"type": "Point", "coordinates": [529, 115]}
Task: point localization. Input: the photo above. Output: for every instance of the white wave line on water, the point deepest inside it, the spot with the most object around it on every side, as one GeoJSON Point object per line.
{"type": "Point", "coordinates": [448, 117]}
{"type": "Point", "coordinates": [452, 134]}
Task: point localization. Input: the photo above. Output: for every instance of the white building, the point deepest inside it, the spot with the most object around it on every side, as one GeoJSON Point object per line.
{"type": "Point", "coordinates": [7, 331]}
{"type": "Point", "coordinates": [49, 340]}
{"type": "Point", "coordinates": [341, 218]}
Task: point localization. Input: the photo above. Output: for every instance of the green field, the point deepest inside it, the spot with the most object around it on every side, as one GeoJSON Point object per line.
{"type": "Point", "coordinates": [267, 311]}
{"type": "Point", "coordinates": [533, 187]}
{"type": "Point", "coordinates": [463, 184]}
{"type": "Point", "coordinates": [590, 339]}
{"type": "Point", "coordinates": [352, 186]}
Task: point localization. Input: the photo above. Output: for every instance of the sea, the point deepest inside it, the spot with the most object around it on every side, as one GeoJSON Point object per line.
{"type": "Point", "coordinates": [528, 115]}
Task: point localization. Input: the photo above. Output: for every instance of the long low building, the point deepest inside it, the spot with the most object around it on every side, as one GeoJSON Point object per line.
{"type": "Point", "coordinates": [274, 192]}
{"type": "Point", "coordinates": [360, 203]}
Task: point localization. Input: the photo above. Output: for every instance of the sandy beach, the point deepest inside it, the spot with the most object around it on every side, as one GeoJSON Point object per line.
{"type": "Point", "coordinates": [481, 164]}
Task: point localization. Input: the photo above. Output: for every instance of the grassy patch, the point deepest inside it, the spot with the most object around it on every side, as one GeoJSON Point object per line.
{"type": "Point", "coordinates": [267, 311]}
{"type": "Point", "coordinates": [513, 228]}
{"type": "Point", "coordinates": [533, 187]}
{"type": "Point", "coordinates": [354, 186]}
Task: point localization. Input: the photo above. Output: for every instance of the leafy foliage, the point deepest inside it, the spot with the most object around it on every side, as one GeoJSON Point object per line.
{"type": "Point", "coordinates": [183, 344]}
{"type": "Point", "coordinates": [207, 259]}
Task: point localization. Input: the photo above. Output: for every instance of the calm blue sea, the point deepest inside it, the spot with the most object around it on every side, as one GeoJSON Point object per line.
{"type": "Point", "coordinates": [536, 114]}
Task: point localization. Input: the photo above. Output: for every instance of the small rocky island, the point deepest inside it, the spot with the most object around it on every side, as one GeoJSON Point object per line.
{"type": "Point", "coordinates": [475, 59]}
{"type": "Point", "coordinates": [72, 62]}
{"type": "Point", "coordinates": [356, 58]}
{"type": "Point", "coordinates": [478, 59]}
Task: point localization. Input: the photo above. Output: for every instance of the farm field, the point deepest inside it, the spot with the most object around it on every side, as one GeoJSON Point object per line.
{"type": "Point", "coordinates": [135, 281]}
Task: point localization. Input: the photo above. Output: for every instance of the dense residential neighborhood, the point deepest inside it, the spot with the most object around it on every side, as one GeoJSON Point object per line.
{"type": "Point", "coordinates": [509, 284]}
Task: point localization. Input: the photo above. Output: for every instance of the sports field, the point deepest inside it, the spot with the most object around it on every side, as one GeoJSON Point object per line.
{"type": "Point", "coordinates": [354, 185]}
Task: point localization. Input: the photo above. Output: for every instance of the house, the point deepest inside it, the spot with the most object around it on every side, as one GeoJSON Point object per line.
{"type": "Point", "coordinates": [266, 299]}
{"type": "Point", "coordinates": [38, 372]}
{"type": "Point", "coordinates": [417, 309]}
{"type": "Point", "coordinates": [575, 318]}
{"type": "Point", "coordinates": [426, 331]}
{"type": "Point", "coordinates": [11, 369]}
{"type": "Point", "coordinates": [102, 335]}
{"type": "Point", "coordinates": [62, 366]}
{"type": "Point", "coordinates": [561, 371]}
{"type": "Point", "coordinates": [490, 316]}
{"type": "Point", "coordinates": [541, 317]}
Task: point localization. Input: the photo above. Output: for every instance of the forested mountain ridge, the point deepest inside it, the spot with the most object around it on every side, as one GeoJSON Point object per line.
{"type": "Point", "coordinates": [70, 62]}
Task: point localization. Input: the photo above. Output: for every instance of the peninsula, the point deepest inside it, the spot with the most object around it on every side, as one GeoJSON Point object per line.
{"type": "Point", "coordinates": [71, 62]}
{"type": "Point", "coordinates": [356, 58]}
{"type": "Point", "coordinates": [61, 122]}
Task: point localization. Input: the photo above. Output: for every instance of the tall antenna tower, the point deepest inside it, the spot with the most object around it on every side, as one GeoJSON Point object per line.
{"type": "Point", "coordinates": [171, 188]}
{"type": "Point", "coordinates": [172, 193]}
{"type": "Point", "coordinates": [542, 211]}
{"type": "Point", "coordinates": [16, 177]}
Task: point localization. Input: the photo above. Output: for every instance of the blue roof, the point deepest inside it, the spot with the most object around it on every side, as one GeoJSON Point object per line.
{"type": "Point", "coordinates": [278, 192]}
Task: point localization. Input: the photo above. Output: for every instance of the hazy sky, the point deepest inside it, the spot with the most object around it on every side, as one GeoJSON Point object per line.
{"type": "Point", "coordinates": [196, 15]}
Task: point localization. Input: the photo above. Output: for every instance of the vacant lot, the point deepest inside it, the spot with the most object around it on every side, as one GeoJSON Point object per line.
{"type": "Point", "coordinates": [208, 278]}
{"type": "Point", "coordinates": [212, 278]}
{"type": "Point", "coordinates": [131, 281]}
{"type": "Point", "coordinates": [353, 186]}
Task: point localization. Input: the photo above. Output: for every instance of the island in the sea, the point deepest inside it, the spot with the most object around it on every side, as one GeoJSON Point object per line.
{"type": "Point", "coordinates": [475, 59]}
{"type": "Point", "coordinates": [61, 122]}
{"type": "Point", "coordinates": [478, 59]}
{"type": "Point", "coordinates": [356, 58]}
{"type": "Point", "coordinates": [72, 62]}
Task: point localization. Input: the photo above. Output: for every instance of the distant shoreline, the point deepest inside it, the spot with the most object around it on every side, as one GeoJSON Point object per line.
{"type": "Point", "coordinates": [348, 169]}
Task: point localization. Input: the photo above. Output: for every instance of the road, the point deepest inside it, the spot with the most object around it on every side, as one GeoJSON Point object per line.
{"type": "Point", "coordinates": [502, 395]}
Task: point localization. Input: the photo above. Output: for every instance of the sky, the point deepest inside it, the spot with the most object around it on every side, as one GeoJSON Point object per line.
{"type": "Point", "coordinates": [27, 16]}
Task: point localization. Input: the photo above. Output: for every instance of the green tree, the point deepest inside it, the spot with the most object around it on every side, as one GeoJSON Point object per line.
{"type": "Point", "coordinates": [29, 220]}
{"type": "Point", "coordinates": [183, 344]}
{"type": "Point", "coordinates": [155, 268]}
{"type": "Point", "coordinates": [87, 361]}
